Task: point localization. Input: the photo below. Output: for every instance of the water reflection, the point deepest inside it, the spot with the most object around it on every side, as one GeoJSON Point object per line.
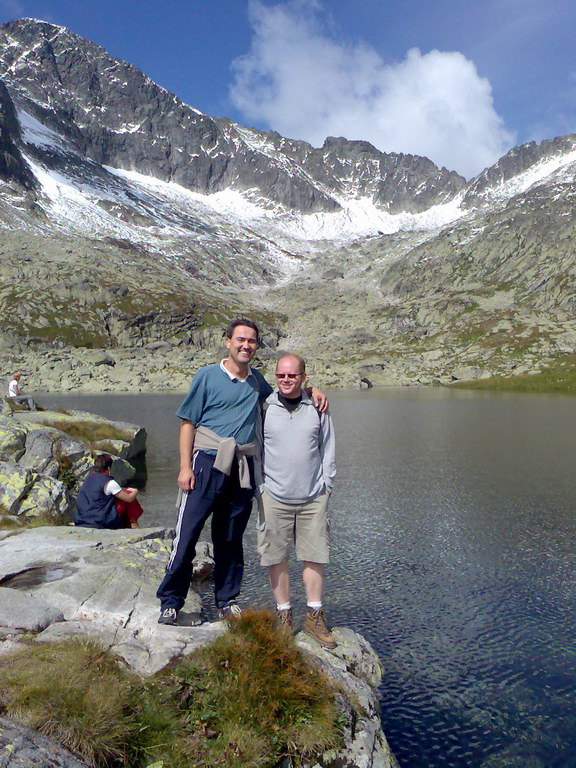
{"type": "Point", "coordinates": [453, 530]}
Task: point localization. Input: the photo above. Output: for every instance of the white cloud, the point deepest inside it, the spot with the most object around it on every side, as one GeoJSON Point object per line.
{"type": "Point", "coordinates": [303, 82]}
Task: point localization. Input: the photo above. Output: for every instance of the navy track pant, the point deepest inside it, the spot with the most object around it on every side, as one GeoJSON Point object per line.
{"type": "Point", "coordinates": [221, 496]}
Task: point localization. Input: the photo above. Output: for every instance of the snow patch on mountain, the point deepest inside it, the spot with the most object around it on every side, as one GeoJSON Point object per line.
{"type": "Point", "coordinates": [34, 132]}
{"type": "Point", "coordinates": [359, 217]}
{"type": "Point", "coordinates": [529, 178]}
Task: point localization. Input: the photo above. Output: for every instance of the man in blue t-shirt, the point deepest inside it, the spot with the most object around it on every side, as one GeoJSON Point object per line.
{"type": "Point", "coordinates": [216, 476]}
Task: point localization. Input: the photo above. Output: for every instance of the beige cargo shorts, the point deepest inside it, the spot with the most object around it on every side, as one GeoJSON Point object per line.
{"type": "Point", "coordinates": [282, 525]}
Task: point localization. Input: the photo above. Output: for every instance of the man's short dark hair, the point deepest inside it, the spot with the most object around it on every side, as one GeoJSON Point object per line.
{"type": "Point", "coordinates": [102, 462]}
{"type": "Point", "coordinates": [241, 321]}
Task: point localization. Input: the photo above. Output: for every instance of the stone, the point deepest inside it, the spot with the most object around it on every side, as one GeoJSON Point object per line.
{"type": "Point", "coordinates": [355, 668]}
{"type": "Point", "coordinates": [466, 373]}
{"type": "Point", "coordinates": [47, 497]}
{"type": "Point", "coordinates": [115, 447]}
{"type": "Point", "coordinates": [104, 584]}
{"type": "Point", "coordinates": [39, 449]}
{"type": "Point", "coordinates": [98, 357]}
{"type": "Point", "coordinates": [24, 612]}
{"type": "Point", "coordinates": [12, 439]}
{"type": "Point", "coordinates": [122, 471]}
{"type": "Point", "coordinates": [15, 482]}
{"type": "Point", "coordinates": [22, 747]}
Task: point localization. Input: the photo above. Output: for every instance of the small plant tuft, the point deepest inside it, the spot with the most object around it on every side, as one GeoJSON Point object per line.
{"type": "Point", "coordinates": [66, 473]}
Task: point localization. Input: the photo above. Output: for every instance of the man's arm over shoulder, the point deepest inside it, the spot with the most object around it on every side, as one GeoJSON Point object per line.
{"type": "Point", "coordinates": [318, 398]}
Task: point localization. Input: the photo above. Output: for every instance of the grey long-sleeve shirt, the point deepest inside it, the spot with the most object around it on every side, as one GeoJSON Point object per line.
{"type": "Point", "coordinates": [299, 454]}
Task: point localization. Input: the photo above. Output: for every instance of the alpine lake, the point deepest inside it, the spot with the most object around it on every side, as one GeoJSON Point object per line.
{"type": "Point", "coordinates": [452, 553]}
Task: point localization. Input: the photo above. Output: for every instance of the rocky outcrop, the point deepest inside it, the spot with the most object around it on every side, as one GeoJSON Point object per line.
{"type": "Point", "coordinates": [515, 162]}
{"type": "Point", "coordinates": [101, 584]}
{"type": "Point", "coordinates": [41, 466]}
{"type": "Point", "coordinates": [104, 585]}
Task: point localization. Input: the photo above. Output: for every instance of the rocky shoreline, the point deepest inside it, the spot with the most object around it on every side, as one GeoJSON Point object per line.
{"type": "Point", "coordinates": [157, 369]}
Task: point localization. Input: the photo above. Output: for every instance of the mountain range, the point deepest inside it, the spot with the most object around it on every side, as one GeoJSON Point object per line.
{"type": "Point", "coordinates": [134, 224]}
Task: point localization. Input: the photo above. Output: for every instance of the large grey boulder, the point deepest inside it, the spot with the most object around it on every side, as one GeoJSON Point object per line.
{"type": "Point", "coordinates": [15, 482]}
{"type": "Point", "coordinates": [104, 584]}
{"type": "Point", "coordinates": [48, 497]}
{"type": "Point", "coordinates": [98, 357]}
{"type": "Point", "coordinates": [467, 373]}
{"type": "Point", "coordinates": [49, 451]}
{"type": "Point", "coordinates": [25, 493]}
{"type": "Point", "coordinates": [39, 453]}
{"type": "Point", "coordinates": [134, 434]}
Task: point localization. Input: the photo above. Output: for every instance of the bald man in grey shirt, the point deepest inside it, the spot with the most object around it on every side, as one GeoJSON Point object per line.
{"type": "Point", "coordinates": [295, 478]}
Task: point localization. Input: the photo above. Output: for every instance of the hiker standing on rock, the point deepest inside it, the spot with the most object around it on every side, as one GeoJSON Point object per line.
{"type": "Point", "coordinates": [217, 450]}
{"type": "Point", "coordinates": [295, 480]}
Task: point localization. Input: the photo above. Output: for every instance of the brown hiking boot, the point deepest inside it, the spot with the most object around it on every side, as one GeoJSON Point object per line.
{"type": "Point", "coordinates": [315, 626]}
{"type": "Point", "coordinates": [284, 620]}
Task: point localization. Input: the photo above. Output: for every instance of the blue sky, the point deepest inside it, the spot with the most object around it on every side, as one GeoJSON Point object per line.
{"type": "Point", "coordinates": [459, 81]}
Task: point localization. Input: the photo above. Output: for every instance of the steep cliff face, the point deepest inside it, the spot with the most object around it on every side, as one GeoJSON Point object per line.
{"type": "Point", "coordinates": [12, 165]}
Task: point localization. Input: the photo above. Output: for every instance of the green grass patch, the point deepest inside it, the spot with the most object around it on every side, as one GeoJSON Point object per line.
{"type": "Point", "coordinates": [248, 700]}
{"type": "Point", "coordinates": [560, 376]}
{"type": "Point", "coordinates": [38, 521]}
{"type": "Point", "coordinates": [89, 432]}
{"type": "Point", "coordinates": [255, 696]}
{"type": "Point", "coordinates": [8, 523]}
{"type": "Point", "coordinates": [27, 521]}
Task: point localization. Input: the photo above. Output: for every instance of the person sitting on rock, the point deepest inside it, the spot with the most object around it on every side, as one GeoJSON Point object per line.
{"type": "Point", "coordinates": [102, 503]}
{"type": "Point", "coordinates": [15, 392]}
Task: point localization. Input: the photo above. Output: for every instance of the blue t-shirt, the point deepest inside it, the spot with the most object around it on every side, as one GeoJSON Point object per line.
{"type": "Point", "coordinates": [227, 406]}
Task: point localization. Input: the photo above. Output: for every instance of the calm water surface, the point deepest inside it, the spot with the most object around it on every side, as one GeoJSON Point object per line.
{"type": "Point", "coordinates": [453, 535]}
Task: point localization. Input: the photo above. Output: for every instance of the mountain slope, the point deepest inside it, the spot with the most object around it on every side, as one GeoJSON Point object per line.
{"type": "Point", "coordinates": [130, 219]}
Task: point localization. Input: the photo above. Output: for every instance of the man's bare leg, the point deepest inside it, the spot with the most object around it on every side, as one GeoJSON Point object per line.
{"type": "Point", "coordinates": [313, 575]}
{"type": "Point", "coordinates": [280, 582]}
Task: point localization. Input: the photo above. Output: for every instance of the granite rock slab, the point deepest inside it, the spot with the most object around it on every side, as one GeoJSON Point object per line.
{"type": "Point", "coordinates": [24, 612]}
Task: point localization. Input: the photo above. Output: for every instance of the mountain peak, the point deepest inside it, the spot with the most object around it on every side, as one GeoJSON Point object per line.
{"type": "Point", "coordinates": [116, 116]}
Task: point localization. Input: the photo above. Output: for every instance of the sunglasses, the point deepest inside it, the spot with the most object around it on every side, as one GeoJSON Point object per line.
{"type": "Point", "coordinates": [288, 375]}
